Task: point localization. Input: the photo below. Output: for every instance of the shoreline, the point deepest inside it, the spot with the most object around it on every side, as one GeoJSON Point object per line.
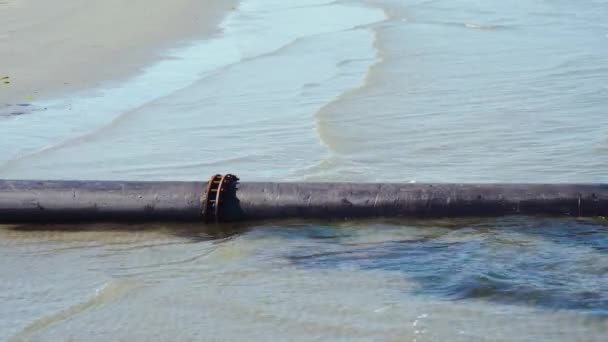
{"type": "Point", "coordinates": [228, 68]}
{"type": "Point", "coordinates": [56, 48]}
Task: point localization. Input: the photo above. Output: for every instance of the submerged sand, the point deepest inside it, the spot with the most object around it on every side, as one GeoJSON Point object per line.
{"type": "Point", "coordinates": [52, 47]}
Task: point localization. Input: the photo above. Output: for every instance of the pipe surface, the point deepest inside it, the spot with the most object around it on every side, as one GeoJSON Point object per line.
{"type": "Point", "coordinates": [344, 200]}
{"type": "Point", "coordinates": [64, 201]}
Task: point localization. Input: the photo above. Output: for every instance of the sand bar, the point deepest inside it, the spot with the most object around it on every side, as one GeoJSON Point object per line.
{"type": "Point", "coordinates": [52, 47]}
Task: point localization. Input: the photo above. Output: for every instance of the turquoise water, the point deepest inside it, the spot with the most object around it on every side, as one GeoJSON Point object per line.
{"type": "Point", "coordinates": [384, 90]}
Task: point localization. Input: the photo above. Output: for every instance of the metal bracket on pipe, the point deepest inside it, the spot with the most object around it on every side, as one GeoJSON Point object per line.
{"type": "Point", "coordinates": [218, 187]}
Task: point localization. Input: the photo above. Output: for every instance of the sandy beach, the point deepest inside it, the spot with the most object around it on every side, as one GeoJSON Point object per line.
{"type": "Point", "coordinates": [49, 48]}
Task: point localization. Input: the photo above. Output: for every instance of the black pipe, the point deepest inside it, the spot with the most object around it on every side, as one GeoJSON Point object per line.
{"type": "Point", "coordinates": [268, 200]}
{"type": "Point", "coordinates": [83, 201]}
{"type": "Point", "coordinates": [64, 201]}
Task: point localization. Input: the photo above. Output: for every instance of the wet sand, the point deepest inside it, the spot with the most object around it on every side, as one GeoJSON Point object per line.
{"type": "Point", "coordinates": [52, 48]}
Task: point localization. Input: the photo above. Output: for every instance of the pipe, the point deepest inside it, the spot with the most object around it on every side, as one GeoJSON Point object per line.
{"type": "Point", "coordinates": [65, 201]}
{"type": "Point", "coordinates": [83, 201]}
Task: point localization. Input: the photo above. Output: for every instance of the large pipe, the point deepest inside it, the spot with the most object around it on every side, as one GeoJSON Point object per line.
{"type": "Point", "coordinates": [62, 201]}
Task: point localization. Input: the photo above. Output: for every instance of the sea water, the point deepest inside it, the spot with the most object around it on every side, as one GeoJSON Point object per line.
{"type": "Point", "coordinates": [408, 91]}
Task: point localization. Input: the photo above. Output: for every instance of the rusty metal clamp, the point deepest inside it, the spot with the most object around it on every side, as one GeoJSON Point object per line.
{"type": "Point", "coordinates": [218, 187]}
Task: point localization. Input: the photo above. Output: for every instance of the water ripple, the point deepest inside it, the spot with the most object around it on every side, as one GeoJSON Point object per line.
{"type": "Point", "coordinates": [546, 263]}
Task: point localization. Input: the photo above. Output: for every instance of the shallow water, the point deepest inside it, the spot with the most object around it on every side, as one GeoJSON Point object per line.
{"type": "Point", "coordinates": [319, 90]}
{"type": "Point", "coordinates": [499, 279]}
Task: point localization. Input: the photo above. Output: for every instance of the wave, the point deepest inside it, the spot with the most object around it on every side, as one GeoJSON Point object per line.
{"type": "Point", "coordinates": [256, 29]}
{"type": "Point", "coordinates": [323, 117]}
